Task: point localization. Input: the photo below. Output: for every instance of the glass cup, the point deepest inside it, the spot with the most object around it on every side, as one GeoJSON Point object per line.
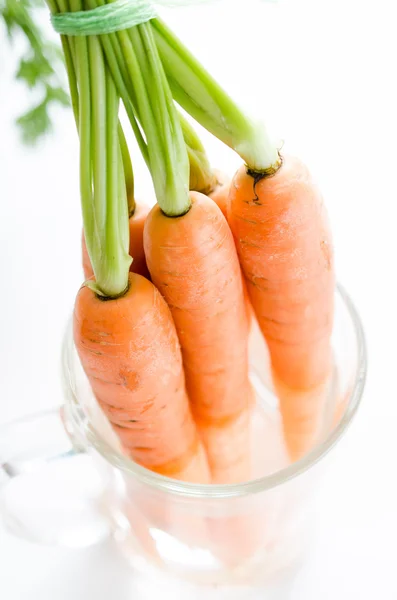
{"type": "Point", "coordinates": [64, 480]}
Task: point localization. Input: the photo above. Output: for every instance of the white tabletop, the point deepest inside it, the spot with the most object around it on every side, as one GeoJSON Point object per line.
{"type": "Point", "coordinates": [331, 94]}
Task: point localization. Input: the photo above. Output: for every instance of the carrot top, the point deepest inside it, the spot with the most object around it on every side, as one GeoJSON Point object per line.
{"type": "Point", "coordinates": [202, 97]}
{"type": "Point", "coordinates": [136, 68]}
{"type": "Point", "coordinates": [106, 175]}
{"type": "Point", "coordinates": [102, 185]}
{"type": "Point", "coordinates": [151, 69]}
{"type": "Point", "coordinates": [170, 146]}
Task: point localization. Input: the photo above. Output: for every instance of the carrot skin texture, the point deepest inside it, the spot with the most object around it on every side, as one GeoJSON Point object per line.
{"type": "Point", "coordinates": [285, 248]}
{"type": "Point", "coordinates": [136, 224]}
{"type": "Point", "coordinates": [130, 353]}
{"type": "Point", "coordinates": [220, 195]}
{"type": "Point", "coordinates": [193, 262]}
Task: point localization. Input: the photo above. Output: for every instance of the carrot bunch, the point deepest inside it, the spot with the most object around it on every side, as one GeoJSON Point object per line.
{"type": "Point", "coordinates": [162, 322]}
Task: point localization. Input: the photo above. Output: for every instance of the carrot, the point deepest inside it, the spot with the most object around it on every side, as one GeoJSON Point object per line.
{"type": "Point", "coordinates": [123, 329]}
{"type": "Point", "coordinates": [216, 185]}
{"type": "Point", "coordinates": [283, 242]}
{"type": "Point", "coordinates": [142, 518]}
{"type": "Point", "coordinates": [138, 265]}
{"type": "Point", "coordinates": [129, 350]}
{"type": "Point", "coordinates": [213, 183]}
{"type": "Point", "coordinates": [193, 262]}
{"type": "Point", "coordinates": [285, 249]}
{"type": "Point", "coordinates": [136, 251]}
{"type": "Point", "coordinates": [168, 162]}
{"type": "Point", "coordinates": [220, 192]}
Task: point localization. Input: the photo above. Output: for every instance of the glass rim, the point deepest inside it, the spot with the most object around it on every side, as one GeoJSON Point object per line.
{"type": "Point", "coordinates": [82, 427]}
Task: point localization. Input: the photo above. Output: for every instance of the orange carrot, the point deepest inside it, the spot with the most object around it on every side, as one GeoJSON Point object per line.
{"type": "Point", "coordinates": [129, 350]}
{"type": "Point", "coordinates": [137, 223]}
{"type": "Point", "coordinates": [138, 265]}
{"type": "Point", "coordinates": [285, 249]}
{"type": "Point", "coordinates": [220, 192]}
{"type": "Point", "coordinates": [123, 329]}
{"type": "Point", "coordinates": [193, 262]}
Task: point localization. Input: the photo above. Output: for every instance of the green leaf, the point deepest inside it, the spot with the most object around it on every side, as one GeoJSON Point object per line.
{"type": "Point", "coordinates": [9, 22]}
{"type": "Point", "coordinates": [35, 123]}
{"type": "Point", "coordinates": [58, 95]}
{"type": "Point", "coordinates": [34, 70]}
{"type": "Point", "coordinates": [39, 67]}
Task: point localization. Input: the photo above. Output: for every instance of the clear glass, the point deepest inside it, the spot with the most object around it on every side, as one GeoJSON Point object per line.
{"type": "Point", "coordinates": [230, 540]}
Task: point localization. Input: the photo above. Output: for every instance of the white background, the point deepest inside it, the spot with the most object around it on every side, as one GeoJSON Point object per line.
{"type": "Point", "coordinates": [324, 75]}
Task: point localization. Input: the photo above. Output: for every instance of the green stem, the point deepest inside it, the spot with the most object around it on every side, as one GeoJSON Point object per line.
{"type": "Point", "coordinates": [74, 94]}
{"type": "Point", "coordinates": [116, 229]}
{"type": "Point", "coordinates": [68, 49]}
{"type": "Point", "coordinates": [112, 263]}
{"type": "Point", "coordinates": [119, 54]}
{"type": "Point", "coordinates": [98, 100]}
{"type": "Point", "coordinates": [52, 5]}
{"type": "Point", "coordinates": [124, 229]}
{"type": "Point", "coordinates": [128, 172]}
{"type": "Point", "coordinates": [103, 197]}
{"type": "Point", "coordinates": [201, 96]}
{"type": "Point", "coordinates": [170, 123]}
{"type": "Point", "coordinates": [83, 78]}
{"type": "Point", "coordinates": [168, 158]}
{"type": "Point", "coordinates": [114, 57]}
{"type": "Point", "coordinates": [142, 100]}
{"type": "Point", "coordinates": [124, 94]}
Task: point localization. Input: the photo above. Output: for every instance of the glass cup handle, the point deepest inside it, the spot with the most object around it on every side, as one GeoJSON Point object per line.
{"type": "Point", "coordinates": [50, 491]}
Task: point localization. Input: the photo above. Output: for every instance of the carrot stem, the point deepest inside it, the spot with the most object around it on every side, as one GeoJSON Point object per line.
{"type": "Point", "coordinates": [116, 241]}
{"type": "Point", "coordinates": [202, 97]}
{"type": "Point", "coordinates": [83, 78]}
{"type": "Point", "coordinates": [98, 115]}
{"type": "Point", "coordinates": [128, 171]}
{"type": "Point", "coordinates": [119, 54]}
{"type": "Point", "coordinates": [171, 170]}
{"type": "Point", "coordinates": [114, 56]}
{"type": "Point", "coordinates": [103, 196]}
{"type": "Point", "coordinates": [68, 49]}
{"type": "Point", "coordinates": [136, 67]}
{"type": "Point", "coordinates": [74, 94]}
